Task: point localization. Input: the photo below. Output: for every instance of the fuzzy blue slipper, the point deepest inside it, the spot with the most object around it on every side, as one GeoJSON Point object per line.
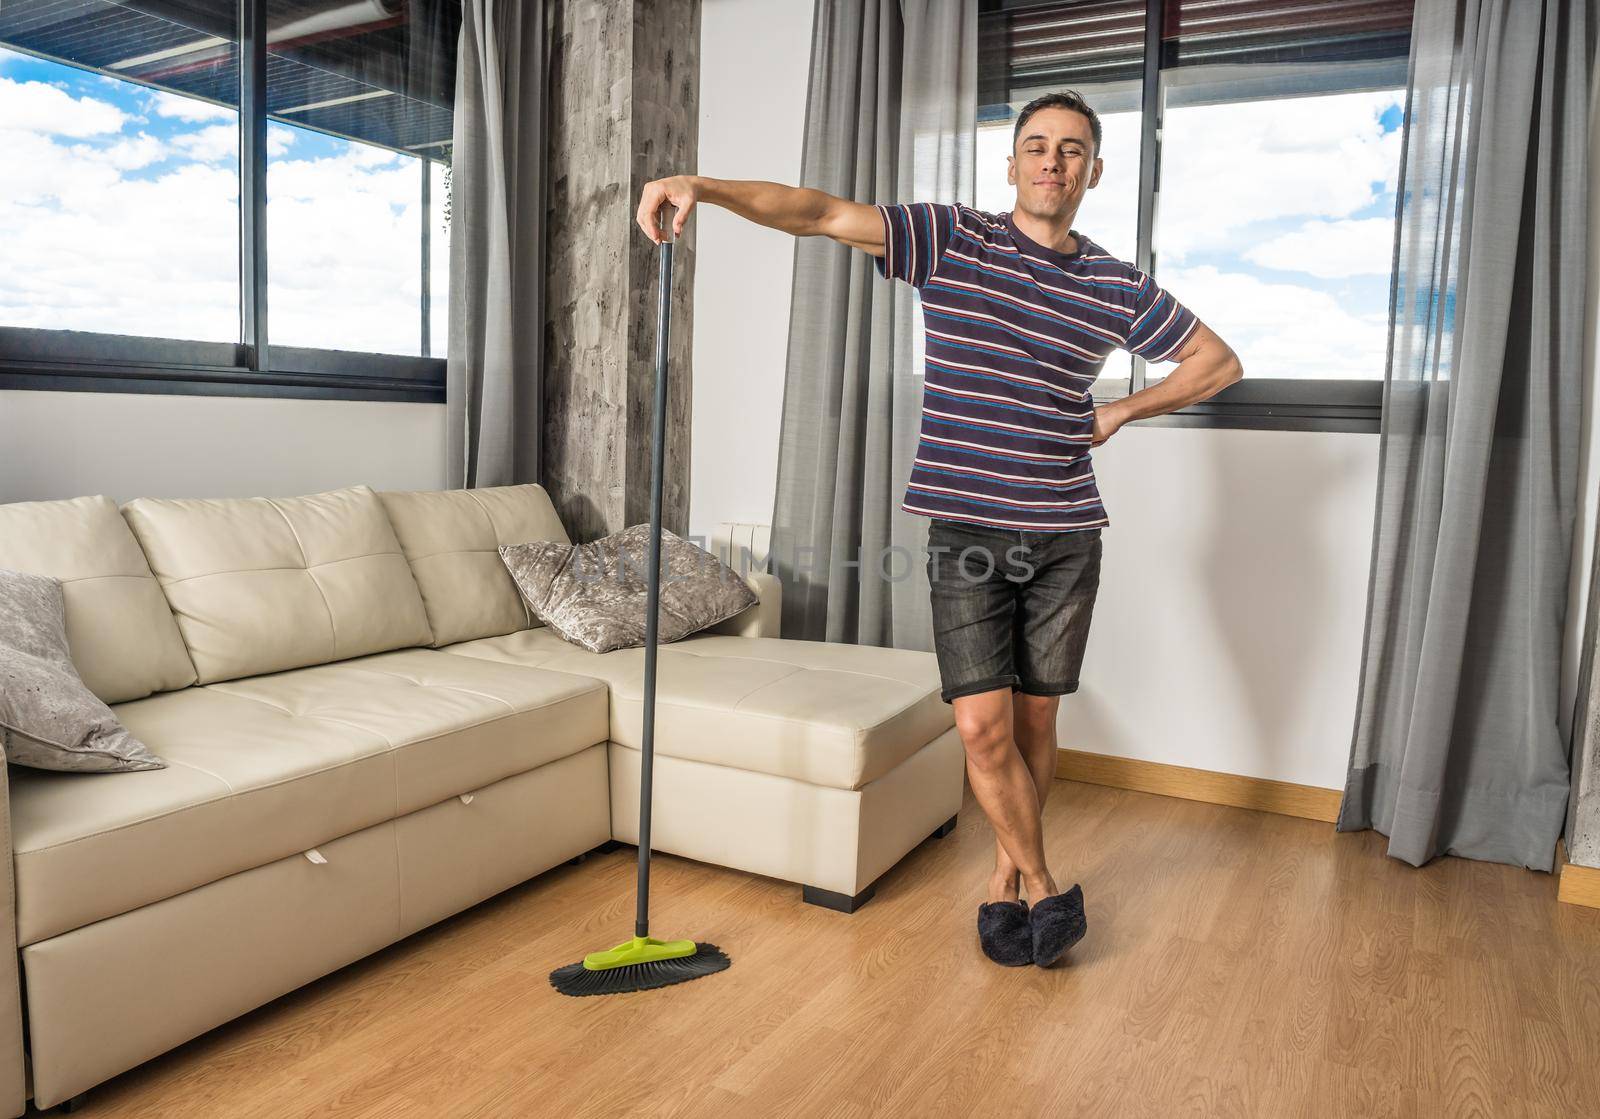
{"type": "Point", "coordinates": [1057, 923]}
{"type": "Point", "coordinates": [1004, 933]}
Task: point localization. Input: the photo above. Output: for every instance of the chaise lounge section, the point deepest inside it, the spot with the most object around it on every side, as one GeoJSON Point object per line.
{"type": "Point", "coordinates": [365, 732]}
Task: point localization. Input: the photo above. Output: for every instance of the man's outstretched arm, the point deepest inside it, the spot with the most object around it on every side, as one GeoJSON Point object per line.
{"type": "Point", "coordinates": [801, 211]}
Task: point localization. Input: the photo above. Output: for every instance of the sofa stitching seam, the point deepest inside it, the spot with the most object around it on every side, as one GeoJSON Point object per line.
{"type": "Point", "coordinates": [307, 567]}
{"type": "Point", "coordinates": [454, 552]}
{"type": "Point", "coordinates": [305, 561]}
{"type": "Point", "coordinates": [219, 778]}
{"type": "Point", "coordinates": [102, 575]}
{"type": "Point", "coordinates": [494, 533]}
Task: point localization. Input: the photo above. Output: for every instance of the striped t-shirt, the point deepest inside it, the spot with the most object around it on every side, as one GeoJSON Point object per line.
{"type": "Point", "coordinates": [1016, 335]}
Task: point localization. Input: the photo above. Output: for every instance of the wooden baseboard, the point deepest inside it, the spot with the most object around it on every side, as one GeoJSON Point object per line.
{"type": "Point", "coordinates": [1580, 885]}
{"type": "Point", "coordinates": [1282, 797]}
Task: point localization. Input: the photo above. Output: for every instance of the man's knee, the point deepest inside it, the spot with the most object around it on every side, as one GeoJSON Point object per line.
{"type": "Point", "coordinates": [987, 740]}
{"type": "Point", "coordinates": [1033, 716]}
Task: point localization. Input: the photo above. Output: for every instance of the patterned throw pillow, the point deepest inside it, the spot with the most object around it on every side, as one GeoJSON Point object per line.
{"type": "Point", "coordinates": [595, 595]}
{"type": "Point", "coordinates": [48, 718]}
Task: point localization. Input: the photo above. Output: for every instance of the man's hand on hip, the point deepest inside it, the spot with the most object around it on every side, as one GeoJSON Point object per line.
{"type": "Point", "coordinates": [1107, 421]}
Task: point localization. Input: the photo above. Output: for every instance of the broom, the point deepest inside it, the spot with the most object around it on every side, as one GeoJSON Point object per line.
{"type": "Point", "coordinates": [645, 962]}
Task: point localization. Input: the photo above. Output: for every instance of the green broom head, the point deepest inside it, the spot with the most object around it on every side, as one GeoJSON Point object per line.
{"type": "Point", "coordinates": [638, 965]}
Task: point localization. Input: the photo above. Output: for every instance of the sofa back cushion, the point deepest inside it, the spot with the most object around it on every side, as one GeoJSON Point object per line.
{"type": "Point", "coordinates": [261, 584]}
{"type": "Point", "coordinates": [125, 644]}
{"type": "Point", "coordinates": [453, 538]}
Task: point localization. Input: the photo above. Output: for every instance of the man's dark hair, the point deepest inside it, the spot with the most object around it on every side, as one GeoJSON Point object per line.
{"type": "Point", "coordinates": [1068, 99]}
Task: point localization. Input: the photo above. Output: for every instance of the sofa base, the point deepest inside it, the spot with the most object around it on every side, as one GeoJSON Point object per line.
{"type": "Point", "coordinates": [844, 903]}
{"type": "Point", "coordinates": [108, 996]}
{"type": "Point", "coordinates": [840, 903]}
{"type": "Point", "coordinates": [605, 848]}
{"type": "Point", "coordinates": [835, 840]}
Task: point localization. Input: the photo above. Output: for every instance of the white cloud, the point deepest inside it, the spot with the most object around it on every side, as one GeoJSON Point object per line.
{"type": "Point", "coordinates": [188, 109]}
{"type": "Point", "coordinates": [1226, 167]}
{"type": "Point", "coordinates": [344, 232]}
{"type": "Point", "coordinates": [49, 110]}
{"type": "Point", "coordinates": [216, 143]}
{"type": "Point", "coordinates": [156, 256]}
{"type": "Point", "coordinates": [128, 154]}
{"type": "Point", "coordinates": [367, 155]}
{"type": "Point", "coordinates": [54, 173]}
{"type": "Point", "coordinates": [279, 139]}
{"type": "Point", "coordinates": [1331, 249]}
{"type": "Point", "coordinates": [1280, 329]}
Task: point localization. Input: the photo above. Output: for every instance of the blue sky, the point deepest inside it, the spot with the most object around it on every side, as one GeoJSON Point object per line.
{"type": "Point", "coordinates": [127, 219]}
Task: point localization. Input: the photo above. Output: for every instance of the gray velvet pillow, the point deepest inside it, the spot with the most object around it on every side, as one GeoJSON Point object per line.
{"type": "Point", "coordinates": [48, 718]}
{"type": "Point", "coordinates": [595, 595]}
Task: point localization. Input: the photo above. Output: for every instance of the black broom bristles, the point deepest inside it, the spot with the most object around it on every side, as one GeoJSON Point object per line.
{"type": "Point", "coordinates": [575, 979]}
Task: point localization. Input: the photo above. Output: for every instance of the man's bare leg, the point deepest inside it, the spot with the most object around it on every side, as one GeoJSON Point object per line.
{"type": "Point", "coordinates": [1004, 785]}
{"type": "Point", "coordinates": [1033, 723]}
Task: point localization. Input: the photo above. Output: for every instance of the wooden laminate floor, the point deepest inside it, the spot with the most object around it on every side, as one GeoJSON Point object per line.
{"type": "Point", "coordinates": [1236, 964]}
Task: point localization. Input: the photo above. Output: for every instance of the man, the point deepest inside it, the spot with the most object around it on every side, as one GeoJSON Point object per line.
{"type": "Point", "coordinates": [1020, 312]}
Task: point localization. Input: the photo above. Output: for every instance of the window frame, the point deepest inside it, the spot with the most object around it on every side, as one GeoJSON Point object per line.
{"type": "Point", "coordinates": [1262, 403]}
{"type": "Point", "coordinates": [90, 361]}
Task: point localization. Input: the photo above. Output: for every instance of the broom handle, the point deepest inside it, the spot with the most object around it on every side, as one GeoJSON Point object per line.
{"type": "Point", "coordinates": [652, 610]}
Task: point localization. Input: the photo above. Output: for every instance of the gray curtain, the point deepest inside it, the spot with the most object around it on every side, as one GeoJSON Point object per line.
{"type": "Point", "coordinates": [497, 246]}
{"type": "Point", "coordinates": [1456, 746]}
{"type": "Point", "coordinates": [891, 116]}
{"type": "Point", "coordinates": [1583, 808]}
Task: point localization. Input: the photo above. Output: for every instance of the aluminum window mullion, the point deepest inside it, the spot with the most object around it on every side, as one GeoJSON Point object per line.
{"type": "Point", "coordinates": [1149, 153]}
{"type": "Point", "coordinates": [427, 255]}
{"type": "Point", "coordinates": [253, 182]}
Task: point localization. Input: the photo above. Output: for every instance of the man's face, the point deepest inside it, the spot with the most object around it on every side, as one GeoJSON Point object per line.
{"type": "Point", "coordinates": [1053, 163]}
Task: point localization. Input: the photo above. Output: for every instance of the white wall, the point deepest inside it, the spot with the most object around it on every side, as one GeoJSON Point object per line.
{"type": "Point", "coordinates": [752, 114]}
{"type": "Point", "coordinates": [1227, 634]}
{"type": "Point", "coordinates": [66, 444]}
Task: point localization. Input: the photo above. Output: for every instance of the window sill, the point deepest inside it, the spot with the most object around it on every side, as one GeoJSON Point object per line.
{"type": "Point", "coordinates": [70, 361]}
{"type": "Point", "coordinates": [1265, 404]}
{"type": "Point", "coordinates": [1263, 420]}
{"type": "Point", "coordinates": [196, 381]}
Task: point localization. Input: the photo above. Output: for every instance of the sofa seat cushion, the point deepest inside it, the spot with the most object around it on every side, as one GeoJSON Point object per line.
{"type": "Point", "coordinates": [262, 768]}
{"type": "Point", "coordinates": [816, 711]}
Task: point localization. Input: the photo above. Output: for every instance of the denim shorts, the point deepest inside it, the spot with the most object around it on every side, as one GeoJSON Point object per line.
{"type": "Point", "coordinates": [1011, 607]}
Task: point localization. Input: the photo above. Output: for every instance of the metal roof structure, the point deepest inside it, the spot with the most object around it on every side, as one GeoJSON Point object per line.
{"type": "Point", "coordinates": [1028, 44]}
{"type": "Point", "coordinates": [377, 71]}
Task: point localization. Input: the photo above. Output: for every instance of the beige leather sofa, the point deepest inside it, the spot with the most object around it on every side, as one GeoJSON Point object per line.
{"type": "Point", "coordinates": [366, 732]}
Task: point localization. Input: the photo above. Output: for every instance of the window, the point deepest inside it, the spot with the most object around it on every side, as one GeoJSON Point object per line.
{"type": "Point", "coordinates": [119, 207]}
{"type": "Point", "coordinates": [1261, 185]}
{"type": "Point", "coordinates": [1104, 49]}
{"type": "Point", "coordinates": [162, 240]}
{"type": "Point", "coordinates": [352, 166]}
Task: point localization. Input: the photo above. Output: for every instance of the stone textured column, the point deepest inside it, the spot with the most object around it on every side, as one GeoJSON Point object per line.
{"type": "Point", "coordinates": [624, 110]}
